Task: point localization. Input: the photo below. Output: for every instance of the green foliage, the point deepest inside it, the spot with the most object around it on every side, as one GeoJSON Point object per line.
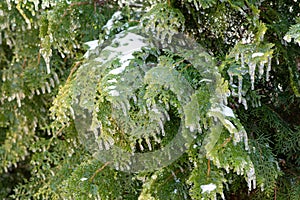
{"type": "Point", "coordinates": [294, 33]}
{"type": "Point", "coordinates": [156, 75]}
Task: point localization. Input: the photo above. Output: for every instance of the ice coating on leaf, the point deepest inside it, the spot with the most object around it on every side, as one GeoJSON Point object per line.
{"type": "Point", "coordinates": [192, 116]}
{"type": "Point", "coordinates": [257, 54]}
{"type": "Point", "coordinates": [108, 26]}
{"type": "Point", "coordinates": [225, 110]}
{"type": "Point", "coordinates": [92, 44]}
{"type": "Point", "coordinates": [119, 70]}
{"type": "Point", "coordinates": [208, 188]}
{"type": "Point", "coordinates": [127, 44]}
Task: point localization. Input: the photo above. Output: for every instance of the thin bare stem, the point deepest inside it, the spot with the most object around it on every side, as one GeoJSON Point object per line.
{"type": "Point", "coordinates": [99, 170]}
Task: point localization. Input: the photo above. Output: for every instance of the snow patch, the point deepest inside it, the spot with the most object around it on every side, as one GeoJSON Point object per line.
{"type": "Point", "coordinates": [118, 70]}
{"type": "Point", "coordinates": [84, 179]}
{"type": "Point", "coordinates": [114, 93]}
{"type": "Point", "coordinates": [116, 16]}
{"type": "Point", "coordinates": [92, 44]}
{"type": "Point", "coordinates": [112, 81]}
{"type": "Point", "coordinates": [208, 188]}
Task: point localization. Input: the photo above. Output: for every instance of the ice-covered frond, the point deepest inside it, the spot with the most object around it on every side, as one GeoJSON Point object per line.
{"type": "Point", "coordinates": [225, 154]}
{"type": "Point", "coordinates": [253, 59]}
{"type": "Point", "coordinates": [293, 33]}
{"type": "Point", "coordinates": [171, 79]}
{"type": "Point", "coordinates": [134, 93]}
{"type": "Point", "coordinates": [163, 21]}
{"type": "Point", "coordinates": [195, 117]}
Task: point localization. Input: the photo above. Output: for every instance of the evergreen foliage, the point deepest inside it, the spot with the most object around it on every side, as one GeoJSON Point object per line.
{"type": "Point", "coordinates": [91, 91]}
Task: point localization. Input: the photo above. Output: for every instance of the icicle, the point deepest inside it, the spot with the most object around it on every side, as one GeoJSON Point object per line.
{"type": "Point", "coordinates": [18, 100]}
{"type": "Point", "coordinates": [48, 87]}
{"type": "Point", "coordinates": [47, 60]}
{"type": "Point", "coordinates": [52, 82]}
{"type": "Point", "coordinates": [230, 78]}
{"type": "Point", "coordinates": [252, 67]}
{"type": "Point", "coordinates": [236, 57]}
{"type": "Point", "coordinates": [141, 146]}
{"type": "Point", "coordinates": [3, 76]}
{"type": "Point", "coordinates": [170, 38]}
{"type": "Point", "coordinates": [269, 68]}
{"type": "Point", "coordinates": [56, 78]}
{"type": "Point", "coordinates": [100, 145]}
{"type": "Point", "coordinates": [240, 87]}
{"type": "Point", "coordinates": [261, 69]}
{"type": "Point", "coordinates": [242, 61]}
{"type": "Point", "coordinates": [72, 112]}
{"type": "Point", "coordinates": [161, 127]}
{"type": "Point", "coordinates": [36, 4]}
{"type": "Point", "coordinates": [149, 144]}
{"type": "Point", "coordinates": [106, 145]}
{"type": "Point", "coordinates": [244, 102]}
{"type": "Point", "coordinates": [43, 89]}
{"type": "Point", "coordinates": [245, 136]}
{"type": "Point", "coordinates": [251, 178]}
{"type": "Point", "coordinates": [8, 4]}
{"type": "Point", "coordinates": [110, 140]}
{"type": "Point", "coordinates": [196, 5]}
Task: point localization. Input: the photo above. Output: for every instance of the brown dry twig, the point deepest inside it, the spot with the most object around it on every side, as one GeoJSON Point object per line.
{"type": "Point", "coordinates": [73, 70]}
{"type": "Point", "coordinates": [99, 170]}
{"type": "Point", "coordinates": [208, 167]}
